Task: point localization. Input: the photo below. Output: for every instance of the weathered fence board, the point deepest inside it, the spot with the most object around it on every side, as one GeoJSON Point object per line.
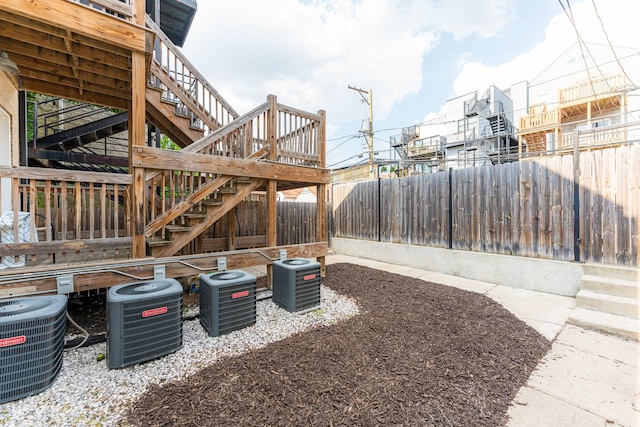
{"type": "Point", "coordinates": [523, 208]}
{"type": "Point", "coordinates": [358, 219]}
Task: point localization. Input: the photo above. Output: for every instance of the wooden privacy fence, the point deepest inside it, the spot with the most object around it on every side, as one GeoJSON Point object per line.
{"type": "Point", "coordinates": [532, 208]}
{"type": "Point", "coordinates": [296, 224]}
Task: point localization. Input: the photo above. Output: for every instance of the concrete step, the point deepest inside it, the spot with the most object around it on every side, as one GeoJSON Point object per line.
{"type": "Point", "coordinates": [614, 287]}
{"type": "Point", "coordinates": [631, 274]}
{"type": "Point", "coordinates": [605, 322]}
{"type": "Point", "coordinates": [611, 304]}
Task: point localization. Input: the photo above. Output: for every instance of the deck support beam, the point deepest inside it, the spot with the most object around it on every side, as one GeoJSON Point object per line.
{"type": "Point", "coordinates": [321, 193]}
{"type": "Point", "coordinates": [272, 184]}
{"type": "Point", "coordinates": [137, 139]}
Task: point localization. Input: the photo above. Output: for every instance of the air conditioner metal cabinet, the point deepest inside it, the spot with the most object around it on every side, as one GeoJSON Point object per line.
{"type": "Point", "coordinates": [296, 284]}
{"type": "Point", "coordinates": [227, 301]}
{"type": "Point", "coordinates": [31, 344]}
{"type": "Point", "coordinates": [144, 321]}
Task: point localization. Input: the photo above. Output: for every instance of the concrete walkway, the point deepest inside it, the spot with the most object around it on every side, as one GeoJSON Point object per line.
{"type": "Point", "coordinates": [586, 379]}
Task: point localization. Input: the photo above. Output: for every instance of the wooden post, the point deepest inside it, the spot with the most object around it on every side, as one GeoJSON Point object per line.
{"type": "Point", "coordinates": [139, 11]}
{"type": "Point", "coordinates": [137, 138]}
{"type": "Point", "coordinates": [321, 193]}
{"type": "Point", "coordinates": [272, 184]}
{"type": "Point", "coordinates": [231, 229]}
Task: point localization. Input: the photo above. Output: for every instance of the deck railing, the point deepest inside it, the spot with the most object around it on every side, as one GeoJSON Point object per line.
{"type": "Point", "coordinates": [297, 136]}
{"type": "Point", "coordinates": [584, 91]}
{"type": "Point", "coordinates": [182, 83]}
{"type": "Point", "coordinates": [602, 137]}
{"type": "Point", "coordinates": [541, 119]}
{"type": "Point", "coordinates": [64, 212]}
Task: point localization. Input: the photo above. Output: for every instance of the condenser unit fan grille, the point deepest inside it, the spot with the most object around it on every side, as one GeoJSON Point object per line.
{"type": "Point", "coordinates": [228, 304]}
{"type": "Point", "coordinates": [296, 284]}
{"type": "Point", "coordinates": [31, 347]}
{"type": "Point", "coordinates": [144, 321]}
{"type": "Point", "coordinates": [146, 338]}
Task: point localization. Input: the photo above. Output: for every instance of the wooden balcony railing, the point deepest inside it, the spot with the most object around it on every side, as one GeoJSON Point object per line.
{"type": "Point", "coordinates": [298, 137]}
{"type": "Point", "coordinates": [601, 136]}
{"type": "Point", "coordinates": [543, 119]}
{"type": "Point", "coordinates": [587, 90]}
{"type": "Point", "coordinates": [122, 9]}
{"type": "Point", "coordinates": [67, 212]}
{"type": "Point", "coordinates": [538, 108]}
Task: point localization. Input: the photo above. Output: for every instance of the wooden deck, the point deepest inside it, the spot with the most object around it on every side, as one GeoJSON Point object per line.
{"type": "Point", "coordinates": [106, 228]}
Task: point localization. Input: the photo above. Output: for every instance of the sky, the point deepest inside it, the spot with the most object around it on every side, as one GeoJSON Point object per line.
{"type": "Point", "coordinates": [413, 55]}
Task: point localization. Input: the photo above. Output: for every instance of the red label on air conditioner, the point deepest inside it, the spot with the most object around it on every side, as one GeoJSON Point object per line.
{"type": "Point", "coordinates": [154, 311]}
{"type": "Point", "coordinates": [309, 277]}
{"type": "Point", "coordinates": [8, 342]}
{"type": "Point", "coordinates": [240, 294]}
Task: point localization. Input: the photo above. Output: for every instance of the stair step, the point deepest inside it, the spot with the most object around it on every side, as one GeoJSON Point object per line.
{"type": "Point", "coordinates": [631, 274]}
{"type": "Point", "coordinates": [169, 101]}
{"type": "Point", "coordinates": [228, 190]}
{"type": "Point", "coordinates": [196, 215]}
{"type": "Point", "coordinates": [614, 287]}
{"type": "Point", "coordinates": [153, 242]}
{"type": "Point", "coordinates": [605, 322]}
{"type": "Point", "coordinates": [611, 304]}
{"type": "Point", "coordinates": [174, 230]}
{"type": "Point", "coordinates": [155, 88]}
{"type": "Point", "coordinates": [243, 179]}
{"type": "Point", "coordinates": [194, 219]}
{"type": "Point", "coordinates": [156, 244]}
{"type": "Point", "coordinates": [182, 115]}
{"type": "Point", "coordinates": [213, 202]}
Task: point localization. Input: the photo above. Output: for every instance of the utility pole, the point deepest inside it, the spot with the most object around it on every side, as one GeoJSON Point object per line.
{"type": "Point", "coordinates": [369, 133]}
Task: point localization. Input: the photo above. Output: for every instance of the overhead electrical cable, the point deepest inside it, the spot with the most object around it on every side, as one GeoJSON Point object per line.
{"type": "Point", "coordinates": [606, 35]}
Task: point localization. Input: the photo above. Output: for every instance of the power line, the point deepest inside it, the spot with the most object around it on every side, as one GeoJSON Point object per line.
{"type": "Point", "coordinates": [340, 137]}
{"type": "Point", "coordinates": [583, 46]}
{"type": "Point", "coordinates": [606, 35]}
{"type": "Point", "coordinates": [343, 142]}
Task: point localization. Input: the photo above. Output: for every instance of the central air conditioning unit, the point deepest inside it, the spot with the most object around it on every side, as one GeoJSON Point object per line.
{"type": "Point", "coordinates": [144, 321]}
{"type": "Point", "coordinates": [31, 344]}
{"type": "Point", "coordinates": [227, 301]}
{"type": "Point", "coordinates": [296, 284]}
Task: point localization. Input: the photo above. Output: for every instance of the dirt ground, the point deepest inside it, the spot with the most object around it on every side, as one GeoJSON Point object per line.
{"type": "Point", "coordinates": [418, 354]}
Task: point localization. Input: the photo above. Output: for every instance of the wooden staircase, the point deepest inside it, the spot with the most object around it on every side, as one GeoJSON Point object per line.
{"type": "Point", "coordinates": [189, 226]}
{"type": "Point", "coordinates": [187, 109]}
{"type": "Point", "coordinates": [179, 99]}
{"type": "Point", "coordinates": [608, 300]}
{"type": "Point", "coordinates": [188, 191]}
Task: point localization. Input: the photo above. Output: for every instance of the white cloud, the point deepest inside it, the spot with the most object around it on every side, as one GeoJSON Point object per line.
{"type": "Point", "coordinates": [619, 18]}
{"type": "Point", "coordinates": [307, 53]}
{"type": "Point", "coordinates": [464, 18]}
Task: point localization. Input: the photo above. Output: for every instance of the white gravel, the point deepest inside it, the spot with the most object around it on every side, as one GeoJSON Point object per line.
{"type": "Point", "coordinates": [86, 393]}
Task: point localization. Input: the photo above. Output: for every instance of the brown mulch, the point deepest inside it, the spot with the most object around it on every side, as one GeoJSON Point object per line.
{"type": "Point", "coordinates": [418, 354]}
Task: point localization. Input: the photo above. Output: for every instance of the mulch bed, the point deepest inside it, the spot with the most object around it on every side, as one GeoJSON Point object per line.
{"type": "Point", "coordinates": [418, 354]}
